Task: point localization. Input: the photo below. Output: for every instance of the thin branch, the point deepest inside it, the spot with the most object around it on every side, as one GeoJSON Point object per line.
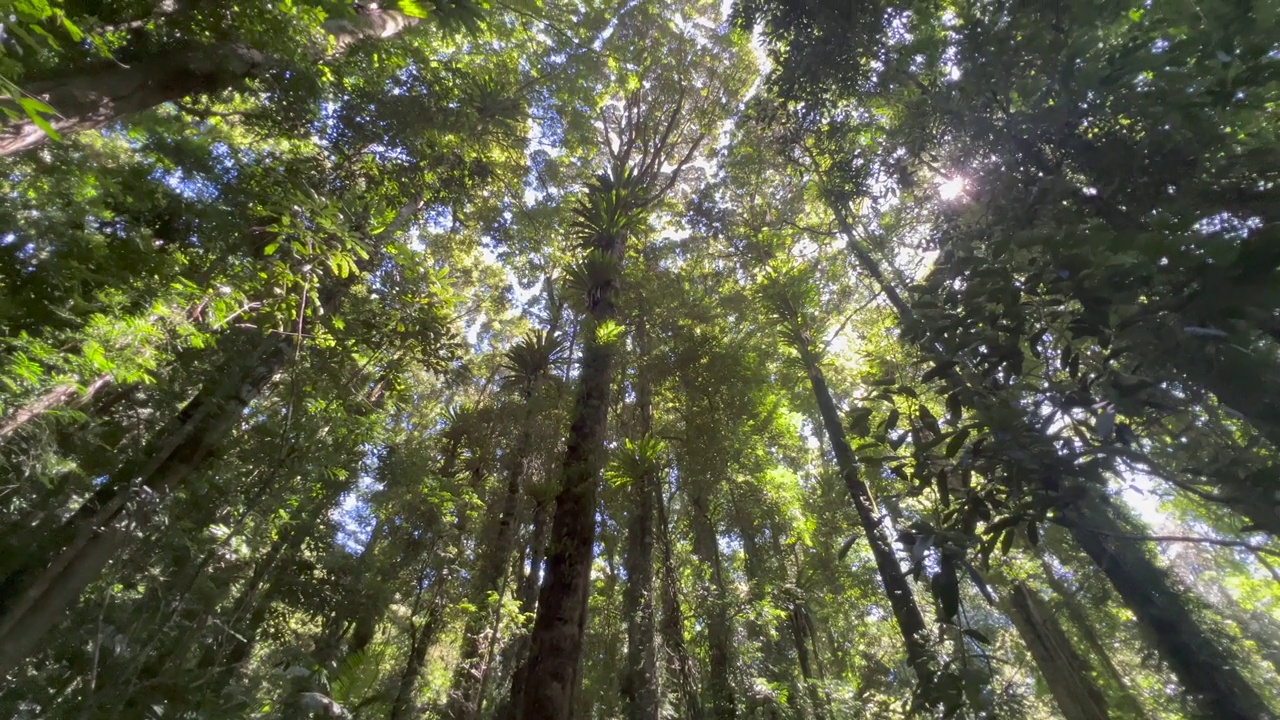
{"type": "Point", "coordinates": [1220, 542]}
{"type": "Point", "coordinates": [1262, 560]}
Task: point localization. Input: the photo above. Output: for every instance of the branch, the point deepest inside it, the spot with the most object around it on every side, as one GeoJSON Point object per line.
{"type": "Point", "coordinates": [1262, 560]}
{"type": "Point", "coordinates": [1237, 544]}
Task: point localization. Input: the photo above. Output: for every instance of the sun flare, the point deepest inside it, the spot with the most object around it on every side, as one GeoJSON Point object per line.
{"type": "Point", "coordinates": [951, 188]}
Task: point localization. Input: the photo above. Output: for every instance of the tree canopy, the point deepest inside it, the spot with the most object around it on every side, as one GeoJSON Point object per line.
{"type": "Point", "coordinates": [658, 359]}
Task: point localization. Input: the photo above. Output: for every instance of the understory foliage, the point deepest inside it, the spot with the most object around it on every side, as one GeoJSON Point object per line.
{"type": "Point", "coordinates": [655, 359]}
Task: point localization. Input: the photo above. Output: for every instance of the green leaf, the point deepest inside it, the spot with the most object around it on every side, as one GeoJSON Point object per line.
{"type": "Point", "coordinates": [412, 8]}
{"type": "Point", "coordinates": [609, 331]}
{"type": "Point", "coordinates": [271, 248]}
{"type": "Point", "coordinates": [34, 109]}
{"type": "Point", "coordinates": [957, 441]}
{"type": "Point", "coordinates": [76, 33]}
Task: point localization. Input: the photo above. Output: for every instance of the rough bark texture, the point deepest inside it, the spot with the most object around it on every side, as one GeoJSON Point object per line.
{"type": "Point", "coordinates": [99, 95]}
{"type": "Point", "coordinates": [906, 611]}
{"type": "Point", "coordinates": [1127, 704]}
{"type": "Point", "coordinates": [1207, 672]}
{"type": "Point", "coordinates": [556, 641]}
{"type": "Point", "coordinates": [555, 645]}
{"type": "Point", "coordinates": [640, 682]}
{"type": "Point", "coordinates": [1063, 669]}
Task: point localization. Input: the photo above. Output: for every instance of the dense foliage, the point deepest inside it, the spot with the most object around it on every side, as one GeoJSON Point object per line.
{"type": "Point", "coordinates": [654, 359]}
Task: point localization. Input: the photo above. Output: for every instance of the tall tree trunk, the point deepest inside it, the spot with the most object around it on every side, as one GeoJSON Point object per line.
{"type": "Point", "coordinates": [1126, 701]}
{"type": "Point", "coordinates": [802, 635]}
{"type": "Point", "coordinates": [706, 548]}
{"type": "Point", "coordinates": [473, 667]}
{"type": "Point", "coordinates": [555, 645]}
{"type": "Point", "coordinates": [640, 679]}
{"type": "Point", "coordinates": [1063, 669]}
{"type": "Point", "coordinates": [34, 597]}
{"type": "Point", "coordinates": [1207, 672]}
{"type": "Point", "coordinates": [672, 625]}
{"type": "Point", "coordinates": [906, 611]}
{"type": "Point", "coordinates": [96, 96]}
{"type": "Point", "coordinates": [423, 626]}
{"type": "Point", "coordinates": [517, 653]}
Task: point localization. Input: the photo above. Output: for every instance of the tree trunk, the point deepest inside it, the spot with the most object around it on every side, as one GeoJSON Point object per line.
{"type": "Point", "coordinates": [906, 611]}
{"type": "Point", "coordinates": [640, 679]}
{"type": "Point", "coordinates": [34, 596]}
{"type": "Point", "coordinates": [63, 395]}
{"type": "Point", "coordinates": [96, 96]}
{"type": "Point", "coordinates": [1207, 672]}
{"type": "Point", "coordinates": [518, 651]}
{"type": "Point", "coordinates": [672, 625]}
{"type": "Point", "coordinates": [1063, 669]}
{"type": "Point", "coordinates": [421, 635]}
{"type": "Point", "coordinates": [802, 635]}
{"type": "Point", "coordinates": [473, 666]}
{"type": "Point", "coordinates": [1127, 703]}
{"type": "Point", "coordinates": [706, 549]}
{"type": "Point", "coordinates": [555, 645]}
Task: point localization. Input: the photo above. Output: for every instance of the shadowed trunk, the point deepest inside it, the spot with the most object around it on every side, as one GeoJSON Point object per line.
{"type": "Point", "coordinates": [1063, 669]}
{"type": "Point", "coordinates": [34, 596]}
{"type": "Point", "coordinates": [61, 396]}
{"type": "Point", "coordinates": [517, 652]}
{"type": "Point", "coordinates": [1126, 701]}
{"type": "Point", "coordinates": [555, 644]}
{"type": "Point", "coordinates": [1206, 671]}
{"type": "Point", "coordinates": [672, 625]}
{"type": "Point", "coordinates": [801, 624]}
{"type": "Point", "coordinates": [706, 549]}
{"type": "Point", "coordinates": [640, 679]}
{"type": "Point", "coordinates": [423, 627]}
{"type": "Point", "coordinates": [491, 580]}
{"type": "Point", "coordinates": [96, 96]}
{"type": "Point", "coordinates": [906, 611]}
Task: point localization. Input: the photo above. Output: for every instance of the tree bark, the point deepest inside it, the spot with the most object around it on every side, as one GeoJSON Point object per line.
{"type": "Point", "coordinates": [706, 549]}
{"type": "Point", "coordinates": [421, 634]}
{"type": "Point", "coordinates": [1063, 669]}
{"type": "Point", "coordinates": [1207, 672]}
{"type": "Point", "coordinates": [96, 96]}
{"type": "Point", "coordinates": [555, 645]}
{"type": "Point", "coordinates": [1126, 702]}
{"type": "Point", "coordinates": [519, 650]}
{"type": "Point", "coordinates": [640, 680]}
{"type": "Point", "coordinates": [63, 395]}
{"type": "Point", "coordinates": [906, 611]}
{"type": "Point", "coordinates": [672, 624]}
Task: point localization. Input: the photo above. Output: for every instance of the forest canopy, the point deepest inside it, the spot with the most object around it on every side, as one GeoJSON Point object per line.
{"type": "Point", "coordinates": [651, 359]}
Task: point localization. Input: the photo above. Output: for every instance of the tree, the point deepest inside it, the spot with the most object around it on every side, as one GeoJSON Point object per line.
{"type": "Point", "coordinates": [90, 98]}
{"type": "Point", "coordinates": [561, 359]}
